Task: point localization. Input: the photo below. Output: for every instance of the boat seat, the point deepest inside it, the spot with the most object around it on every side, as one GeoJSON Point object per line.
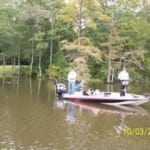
{"type": "Point", "coordinates": [107, 93]}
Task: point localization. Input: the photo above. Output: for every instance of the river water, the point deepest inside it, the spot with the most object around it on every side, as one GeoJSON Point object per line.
{"type": "Point", "coordinates": [32, 119]}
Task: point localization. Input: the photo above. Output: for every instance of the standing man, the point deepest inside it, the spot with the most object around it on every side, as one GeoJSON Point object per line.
{"type": "Point", "coordinates": [124, 78]}
{"type": "Point", "coordinates": [71, 81]}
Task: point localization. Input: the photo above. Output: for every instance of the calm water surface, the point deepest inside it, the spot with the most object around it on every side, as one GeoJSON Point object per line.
{"type": "Point", "coordinates": [32, 119]}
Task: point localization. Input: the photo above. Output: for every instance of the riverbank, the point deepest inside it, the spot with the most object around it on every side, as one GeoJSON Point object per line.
{"type": "Point", "coordinates": [11, 70]}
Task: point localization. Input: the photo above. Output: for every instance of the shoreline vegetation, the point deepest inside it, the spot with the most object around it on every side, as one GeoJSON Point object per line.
{"type": "Point", "coordinates": [8, 71]}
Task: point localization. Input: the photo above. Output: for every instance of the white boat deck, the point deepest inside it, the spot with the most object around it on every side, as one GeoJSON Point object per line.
{"type": "Point", "coordinates": [111, 98]}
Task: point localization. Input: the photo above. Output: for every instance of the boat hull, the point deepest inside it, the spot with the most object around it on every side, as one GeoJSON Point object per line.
{"type": "Point", "coordinates": [108, 98]}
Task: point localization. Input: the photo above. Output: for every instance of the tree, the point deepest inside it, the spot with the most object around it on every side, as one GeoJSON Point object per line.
{"type": "Point", "coordinates": [40, 47]}
{"type": "Point", "coordinates": [78, 58]}
{"type": "Point", "coordinates": [33, 14]}
{"type": "Point", "coordinates": [8, 33]}
{"type": "Point", "coordinates": [53, 7]}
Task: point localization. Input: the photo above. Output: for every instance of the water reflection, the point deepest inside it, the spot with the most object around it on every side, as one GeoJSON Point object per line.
{"type": "Point", "coordinates": [72, 108]}
{"type": "Point", "coordinates": [30, 87]}
{"type": "Point", "coordinates": [97, 108]}
{"type": "Point", "coordinates": [121, 126]}
{"type": "Point", "coordinates": [70, 118]}
{"type": "Point", "coordinates": [107, 123]}
{"type": "Point", "coordinates": [35, 120]}
{"type": "Point", "coordinates": [39, 87]}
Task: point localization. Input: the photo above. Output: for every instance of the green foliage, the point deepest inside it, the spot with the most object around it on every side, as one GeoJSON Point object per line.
{"type": "Point", "coordinates": [98, 70]}
{"type": "Point", "coordinates": [42, 45]}
{"type": "Point", "coordinates": [94, 83]}
{"type": "Point", "coordinates": [24, 70]}
{"type": "Point", "coordinates": [135, 75]}
{"type": "Point", "coordinates": [10, 70]}
{"type": "Point", "coordinates": [98, 35]}
{"type": "Point", "coordinates": [34, 27]}
{"type": "Point", "coordinates": [147, 66]}
{"type": "Point", "coordinates": [53, 71]}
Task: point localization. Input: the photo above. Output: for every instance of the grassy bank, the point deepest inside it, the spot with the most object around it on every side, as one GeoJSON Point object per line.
{"type": "Point", "coordinates": [11, 70]}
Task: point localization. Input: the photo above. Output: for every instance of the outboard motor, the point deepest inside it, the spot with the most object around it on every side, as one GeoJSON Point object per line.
{"type": "Point", "coordinates": [60, 89]}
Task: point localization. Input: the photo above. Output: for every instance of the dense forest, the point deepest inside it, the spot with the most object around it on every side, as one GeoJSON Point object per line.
{"type": "Point", "coordinates": [96, 37]}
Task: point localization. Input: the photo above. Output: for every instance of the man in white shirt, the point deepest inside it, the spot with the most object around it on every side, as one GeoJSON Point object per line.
{"type": "Point", "coordinates": [71, 81]}
{"type": "Point", "coordinates": [124, 78]}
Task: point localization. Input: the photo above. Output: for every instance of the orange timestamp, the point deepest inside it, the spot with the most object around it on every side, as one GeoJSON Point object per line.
{"type": "Point", "coordinates": [136, 131]}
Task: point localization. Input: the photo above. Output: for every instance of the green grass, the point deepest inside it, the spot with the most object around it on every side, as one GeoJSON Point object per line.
{"type": "Point", "coordinates": [10, 70]}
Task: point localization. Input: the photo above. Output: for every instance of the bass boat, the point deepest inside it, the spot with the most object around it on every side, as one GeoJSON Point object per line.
{"type": "Point", "coordinates": [109, 98]}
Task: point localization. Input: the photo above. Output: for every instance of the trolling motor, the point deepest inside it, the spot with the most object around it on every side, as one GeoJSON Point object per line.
{"type": "Point", "coordinates": [60, 89]}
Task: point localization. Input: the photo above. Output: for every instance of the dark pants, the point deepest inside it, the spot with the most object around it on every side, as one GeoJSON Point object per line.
{"type": "Point", "coordinates": [122, 89]}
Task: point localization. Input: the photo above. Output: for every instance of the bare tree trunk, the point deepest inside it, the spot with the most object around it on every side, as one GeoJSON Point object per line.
{"type": "Point", "coordinates": [80, 2]}
{"type": "Point", "coordinates": [19, 61]}
{"type": "Point", "coordinates": [32, 55]}
{"type": "Point", "coordinates": [39, 88]}
{"type": "Point", "coordinates": [110, 75]}
{"type": "Point", "coordinates": [110, 88]}
{"type": "Point", "coordinates": [4, 65]}
{"type": "Point", "coordinates": [51, 52]}
{"type": "Point", "coordinates": [40, 70]}
{"type": "Point", "coordinates": [51, 48]}
{"type": "Point", "coordinates": [109, 71]}
{"type": "Point", "coordinates": [13, 64]}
